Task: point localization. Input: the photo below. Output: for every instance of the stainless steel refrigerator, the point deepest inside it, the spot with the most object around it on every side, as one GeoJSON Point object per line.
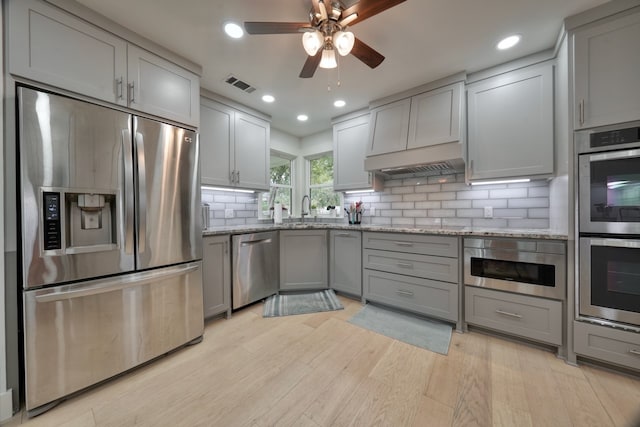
{"type": "Point", "coordinates": [111, 241]}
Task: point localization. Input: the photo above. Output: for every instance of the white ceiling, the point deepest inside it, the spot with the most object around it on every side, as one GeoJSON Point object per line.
{"type": "Point", "coordinates": [422, 40]}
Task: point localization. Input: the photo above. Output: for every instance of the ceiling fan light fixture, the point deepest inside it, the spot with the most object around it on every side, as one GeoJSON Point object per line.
{"type": "Point", "coordinates": [312, 41]}
{"type": "Point", "coordinates": [328, 58]}
{"type": "Point", "coordinates": [343, 41]}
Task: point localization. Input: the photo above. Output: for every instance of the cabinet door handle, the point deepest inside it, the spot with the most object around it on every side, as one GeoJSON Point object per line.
{"type": "Point", "coordinates": [226, 247]}
{"type": "Point", "coordinates": [405, 244]}
{"type": "Point", "coordinates": [132, 92]}
{"type": "Point", "coordinates": [581, 111]}
{"type": "Point", "coordinates": [404, 293]}
{"type": "Point", "coordinates": [119, 88]}
{"type": "Point", "coordinates": [506, 313]}
{"type": "Point", "coordinates": [470, 168]}
{"type": "Point", "coordinates": [404, 264]}
{"type": "Point", "coordinates": [636, 352]}
{"type": "Point", "coordinates": [238, 177]}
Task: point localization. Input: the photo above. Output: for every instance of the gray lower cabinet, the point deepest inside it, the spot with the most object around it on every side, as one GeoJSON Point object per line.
{"type": "Point", "coordinates": [216, 275]}
{"type": "Point", "coordinates": [538, 319]}
{"type": "Point", "coordinates": [303, 260]}
{"type": "Point", "coordinates": [412, 272]}
{"type": "Point", "coordinates": [345, 261]}
{"type": "Point", "coordinates": [607, 344]}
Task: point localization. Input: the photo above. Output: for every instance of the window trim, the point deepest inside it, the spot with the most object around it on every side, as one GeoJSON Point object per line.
{"type": "Point", "coordinates": [307, 182]}
{"type": "Point", "coordinates": [291, 186]}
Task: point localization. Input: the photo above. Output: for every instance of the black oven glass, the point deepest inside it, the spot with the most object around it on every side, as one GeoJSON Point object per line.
{"type": "Point", "coordinates": [615, 278]}
{"type": "Point", "coordinates": [515, 271]}
{"type": "Point", "coordinates": [615, 190]}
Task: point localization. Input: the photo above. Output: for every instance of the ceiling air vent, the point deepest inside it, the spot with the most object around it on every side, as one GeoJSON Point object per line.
{"type": "Point", "coordinates": [236, 82]}
{"type": "Point", "coordinates": [433, 168]}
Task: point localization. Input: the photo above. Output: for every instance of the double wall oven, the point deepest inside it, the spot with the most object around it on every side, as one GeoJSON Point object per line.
{"type": "Point", "coordinates": [609, 224]}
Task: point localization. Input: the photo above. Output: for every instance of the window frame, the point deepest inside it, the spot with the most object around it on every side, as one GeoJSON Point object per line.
{"type": "Point", "coordinates": [309, 186]}
{"type": "Point", "coordinates": [291, 186]}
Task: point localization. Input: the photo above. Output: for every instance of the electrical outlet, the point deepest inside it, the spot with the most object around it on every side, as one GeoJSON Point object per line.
{"type": "Point", "coordinates": [488, 211]}
{"type": "Point", "coordinates": [228, 213]}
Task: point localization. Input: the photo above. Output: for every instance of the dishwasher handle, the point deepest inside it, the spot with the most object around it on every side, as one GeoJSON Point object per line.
{"type": "Point", "coordinates": [256, 242]}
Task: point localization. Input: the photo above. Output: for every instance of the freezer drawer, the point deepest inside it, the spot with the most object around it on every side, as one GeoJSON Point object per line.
{"type": "Point", "coordinates": [78, 335]}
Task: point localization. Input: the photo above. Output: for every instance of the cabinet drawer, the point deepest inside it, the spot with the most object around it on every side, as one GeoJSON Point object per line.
{"type": "Point", "coordinates": [424, 296]}
{"type": "Point", "coordinates": [608, 344]}
{"type": "Point", "coordinates": [426, 266]}
{"type": "Point", "coordinates": [411, 243]}
{"type": "Point", "coordinates": [535, 318]}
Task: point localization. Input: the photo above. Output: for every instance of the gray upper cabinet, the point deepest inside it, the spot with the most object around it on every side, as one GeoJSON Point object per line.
{"type": "Point", "coordinates": [345, 261]}
{"type": "Point", "coordinates": [45, 44]}
{"type": "Point", "coordinates": [234, 147]}
{"type": "Point", "coordinates": [350, 138]}
{"type": "Point", "coordinates": [606, 70]}
{"type": "Point", "coordinates": [428, 118]}
{"type": "Point", "coordinates": [216, 275]}
{"type": "Point", "coordinates": [159, 87]}
{"type": "Point", "coordinates": [303, 259]}
{"type": "Point", "coordinates": [510, 124]}
{"type": "Point", "coordinates": [49, 45]}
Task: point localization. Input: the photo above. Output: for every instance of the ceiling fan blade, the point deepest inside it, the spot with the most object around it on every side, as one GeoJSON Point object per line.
{"type": "Point", "coordinates": [275, 27]}
{"type": "Point", "coordinates": [368, 8]}
{"type": "Point", "coordinates": [310, 65]}
{"type": "Point", "coordinates": [366, 53]}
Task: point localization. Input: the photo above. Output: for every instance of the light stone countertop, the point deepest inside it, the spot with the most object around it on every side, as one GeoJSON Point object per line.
{"type": "Point", "coordinates": [448, 231]}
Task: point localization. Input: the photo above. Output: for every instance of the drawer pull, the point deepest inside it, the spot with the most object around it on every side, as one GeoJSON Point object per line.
{"type": "Point", "coordinates": [405, 244]}
{"type": "Point", "coordinates": [404, 265]}
{"type": "Point", "coordinates": [404, 293]}
{"type": "Point", "coordinates": [636, 352]}
{"type": "Point", "coordinates": [344, 235]}
{"type": "Point", "coordinates": [506, 313]}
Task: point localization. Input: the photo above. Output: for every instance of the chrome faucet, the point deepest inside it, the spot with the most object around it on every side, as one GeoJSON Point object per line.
{"type": "Point", "coordinates": [302, 212]}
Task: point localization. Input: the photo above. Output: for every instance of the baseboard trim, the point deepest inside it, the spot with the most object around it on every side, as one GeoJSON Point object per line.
{"type": "Point", "coordinates": [6, 405]}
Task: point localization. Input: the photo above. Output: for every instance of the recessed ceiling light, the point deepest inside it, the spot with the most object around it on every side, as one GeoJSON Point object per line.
{"type": "Point", "coordinates": [233, 30]}
{"type": "Point", "coordinates": [339, 103]}
{"type": "Point", "coordinates": [268, 98]}
{"type": "Point", "coordinates": [508, 42]}
{"type": "Point", "coordinates": [303, 117]}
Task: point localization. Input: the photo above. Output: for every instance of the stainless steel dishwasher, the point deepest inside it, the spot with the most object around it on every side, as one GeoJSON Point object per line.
{"type": "Point", "coordinates": [256, 262]}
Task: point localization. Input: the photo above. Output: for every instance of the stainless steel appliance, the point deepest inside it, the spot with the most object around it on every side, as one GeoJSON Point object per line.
{"type": "Point", "coordinates": [256, 262]}
{"type": "Point", "coordinates": [610, 279]}
{"type": "Point", "coordinates": [111, 242]}
{"type": "Point", "coordinates": [609, 224]}
{"type": "Point", "coordinates": [609, 179]}
{"type": "Point", "coordinates": [533, 267]}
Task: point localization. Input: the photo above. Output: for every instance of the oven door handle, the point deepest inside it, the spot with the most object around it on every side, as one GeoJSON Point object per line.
{"type": "Point", "coordinates": [614, 155]}
{"type": "Point", "coordinates": [615, 243]}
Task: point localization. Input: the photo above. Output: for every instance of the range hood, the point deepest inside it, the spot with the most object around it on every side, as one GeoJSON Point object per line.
{"type": "Point", "coordinates": [440, 159]}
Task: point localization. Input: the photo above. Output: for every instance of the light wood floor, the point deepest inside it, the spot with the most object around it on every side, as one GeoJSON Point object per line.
{"type": "Point", "coordinates": [319, 370]}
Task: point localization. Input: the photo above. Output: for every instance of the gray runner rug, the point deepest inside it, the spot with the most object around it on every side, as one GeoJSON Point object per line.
{"type": "Point", "coordinates": [431, 335]}
{"type": "Point", "coordinates": [313, 302]}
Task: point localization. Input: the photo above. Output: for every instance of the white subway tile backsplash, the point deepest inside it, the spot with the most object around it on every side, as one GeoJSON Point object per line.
{"type": "Point", "coordinates": [442, 196]}
{"type": "Point", "coordinates": [537, 202]}
{"type": "Point", "coordinates": [423, 201]}
{"type": "Point", "coordinates": [508, 193]}
{"type": "Point", "coordinates": [414, 197]}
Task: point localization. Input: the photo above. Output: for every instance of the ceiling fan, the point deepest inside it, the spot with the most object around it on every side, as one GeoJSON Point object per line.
{"type": "Point", "coordinates": [326, 32]}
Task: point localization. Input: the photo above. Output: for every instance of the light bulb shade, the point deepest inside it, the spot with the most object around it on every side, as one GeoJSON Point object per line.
{"type": "Point", "coordinates": [328, 59]}
{"type": "Point", "coordinates": [343, 41]}
{"type": "Point", "coordinates": [312, 41]}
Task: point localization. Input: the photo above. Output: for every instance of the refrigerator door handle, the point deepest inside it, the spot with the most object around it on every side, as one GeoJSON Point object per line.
{"type": "Point", "coordinates": [142, 194]}
{"type": "Point", "coordinates": [128, 192]}
{"type": "Point", "coordinates": [110, 285]}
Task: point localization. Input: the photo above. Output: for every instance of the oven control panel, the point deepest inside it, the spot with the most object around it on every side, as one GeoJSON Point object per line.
{"type": "Point", "coordinates": [614, 137]}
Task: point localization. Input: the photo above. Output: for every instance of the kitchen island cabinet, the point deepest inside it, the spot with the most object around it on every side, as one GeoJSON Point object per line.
{"type": "Point", "coordinates": [303, 260]}
{"type": "Point", "coordinates": [606, 71]}
{"type": "Point", "coordinates": [510, 124]}
{"type": "Point", "coordinates": [345, 262]}
{"type": "Point", "coordinates": [234, 147]}
{"type": "Point", "coordinates": [216, 275]}
{"type": "Point", "coordinates": [44, 42]}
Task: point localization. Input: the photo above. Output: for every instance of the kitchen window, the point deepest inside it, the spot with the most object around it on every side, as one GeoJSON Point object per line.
{"type": "Point", "coordinates": [320, 182]}
{"type": "Point", "coordinates": [281, 179]}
